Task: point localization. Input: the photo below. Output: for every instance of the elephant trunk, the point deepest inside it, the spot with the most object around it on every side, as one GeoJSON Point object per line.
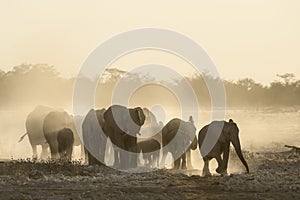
{"type": "Point", "coordinates": [237, 147]}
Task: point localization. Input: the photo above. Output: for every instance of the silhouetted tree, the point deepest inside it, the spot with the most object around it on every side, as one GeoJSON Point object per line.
{"type": "Point", "coordinates": [29, 84]}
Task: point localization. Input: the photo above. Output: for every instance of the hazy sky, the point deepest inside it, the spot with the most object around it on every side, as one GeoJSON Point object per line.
{"type": "Point", "coordinates": [245, 38]}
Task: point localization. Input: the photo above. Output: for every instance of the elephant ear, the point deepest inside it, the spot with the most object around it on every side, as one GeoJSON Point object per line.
{"type": "Point", "coordinates": [225, 135]}
{"type": "Point", "coordinates": [100, 117]}
{"type": "Point", "coordinates": [232, 130]}
{"type": "Point", "coordinates": [139, 116]}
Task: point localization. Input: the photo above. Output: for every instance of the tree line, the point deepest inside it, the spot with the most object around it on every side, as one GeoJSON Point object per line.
{"type": "Point", "coordinates": [29, 84]}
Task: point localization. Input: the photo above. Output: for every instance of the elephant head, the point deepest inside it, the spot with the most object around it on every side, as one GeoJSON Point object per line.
{"type": "Point", "coordinates": [229, 134]}
{"type": "Point", "coordinates": [138, 116]}
{"type": "Point", "coordinates": [100, 117]}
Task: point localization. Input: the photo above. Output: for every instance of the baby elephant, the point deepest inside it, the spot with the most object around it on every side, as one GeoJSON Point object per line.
{"type": "Point", "coordinates": [65, 140]}
{"type": "Point", "coordinates": [150, 150]}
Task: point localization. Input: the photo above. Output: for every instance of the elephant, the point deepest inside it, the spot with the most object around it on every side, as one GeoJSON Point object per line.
{"type": "Point", "coordinates": [229, 133]}
{"type": "Point", "coordinates": [34, 130]}
{"type": "Point", "coordinates": [65, 140]}
{"type": "Point", "coordinates": [94, 140]}
{"type": "Point", "coordinates": [150, 149]}
{"type": "Point", "coordinates": [185, 133]}
{"type": "Point", "coordinates": [53, 123]}
{"type": "Point", "coordinates": [122, 126]}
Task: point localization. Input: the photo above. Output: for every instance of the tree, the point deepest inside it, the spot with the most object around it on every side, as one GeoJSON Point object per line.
{"type": "Point", "coordinates": [287, 78]}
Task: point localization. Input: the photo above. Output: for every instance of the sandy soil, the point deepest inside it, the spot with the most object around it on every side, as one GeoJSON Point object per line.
{"type": "Point", "coordinates": [272, 176]}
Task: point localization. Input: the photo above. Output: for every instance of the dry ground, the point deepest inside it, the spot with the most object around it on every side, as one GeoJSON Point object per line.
{"type": "Point", "coordinates": [272, 176]}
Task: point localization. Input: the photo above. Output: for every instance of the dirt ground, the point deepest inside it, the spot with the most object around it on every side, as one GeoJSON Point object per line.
{"type": "Point", "coordinates": [273, 176]}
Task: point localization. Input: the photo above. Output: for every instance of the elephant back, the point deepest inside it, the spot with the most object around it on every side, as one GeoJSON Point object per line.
{"type": "Point", "coordinates": [34, 124]}
{"type": "Point", "coordinates": [214, 128]}
{"type": "Point", "coordinates": [174, 126]}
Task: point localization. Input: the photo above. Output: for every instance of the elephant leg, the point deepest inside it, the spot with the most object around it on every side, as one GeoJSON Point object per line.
{"type": "Point", "coordinates": [205, 171]}
{"type": "Point", "coordinates": [222, 169]}
{"type": "Point", "coordinates": [116, 157]}
{"type": "Point", "coordinates": [220, 162]}
{"type": "Point", "coordinates": [102, 150]}
{"type": "Point", "coordinates": [90, 159]}
{"type": "Point", "coordinates": [183, 164]}
{"type": "Point", "coordinates": [69, 151]}
{"type": "Point", "coordinates": [62, 155]}
{"type": "Point", "coordinates": [131, 148]}
{"type": "Point", "coordinates": [155, 159]}
{"type": "Point", "coordinates": [61, 152]}
{"type": "Point", "coordinates": [189, 159]}
{"type": "Point", "coordinates": [151, 161]}
{"type": "Point", "coordinates": [44, 151]}
{"type": "Point", "coordinates": [34, 152]}
{"type": "Point", "coordinates": [86, 156]}
{"type": "Point", "coordinates": [164, 156]}
{"type": "Point", "coordinates": [147, 161]}
{"type": "Point", "coordinates": [128, 159]}
{"type": "Point", "coordinates": [134, 157]}
{"type": "Point", "coordinates": [54, 151]}
{"type": "Point", "coordinates": [124, 160]}
{"type": "Point", "coordinates": [176, 162]}
{"type": "Point", "coordinates": [82, 151]}
{"type": "Point", "coordinates": [163, 160]}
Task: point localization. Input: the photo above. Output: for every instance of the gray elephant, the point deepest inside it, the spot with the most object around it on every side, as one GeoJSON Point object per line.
{"type": "Point", "coordinates": [150, 149]}
{"type": "Point", "coordinates": [93, 136]}
{"type": "Point", "coordinates": [34, 130]}
{"type": "Point", "coordinates": [229, 133]}
{"type": "Point", "coordinates": [122, 126]}
{"type": "Point", "coordinates": [65, 140]}
{"type": "Point", "coordinates": [185, 133]}
{"type": "Point", "coordinates": [53, 123]}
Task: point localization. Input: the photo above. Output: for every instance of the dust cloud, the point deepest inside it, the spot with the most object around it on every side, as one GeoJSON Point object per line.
{"type": "Point", "coordinates": [264, 125]}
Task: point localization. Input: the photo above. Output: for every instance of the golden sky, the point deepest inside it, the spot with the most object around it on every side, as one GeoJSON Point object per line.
{"type": "Point", "coordinates": [245, 38]}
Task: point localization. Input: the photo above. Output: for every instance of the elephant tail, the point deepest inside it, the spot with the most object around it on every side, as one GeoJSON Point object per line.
{"type": "Point", "coordinates": [20, 140]}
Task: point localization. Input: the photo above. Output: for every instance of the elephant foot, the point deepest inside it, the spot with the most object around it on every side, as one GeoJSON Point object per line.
{"type": "Point", "coordinates": [34, 159]}
{"type": "Point", "coordinates": [219, 170]}
{"type": "Point", "coordinates": [184, 167]}
{"type": "Point", "coordinates": [225, 173]}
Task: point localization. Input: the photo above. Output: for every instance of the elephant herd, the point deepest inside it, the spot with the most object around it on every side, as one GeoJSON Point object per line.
{"type": "Point", "coordinates": [131, 131]}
